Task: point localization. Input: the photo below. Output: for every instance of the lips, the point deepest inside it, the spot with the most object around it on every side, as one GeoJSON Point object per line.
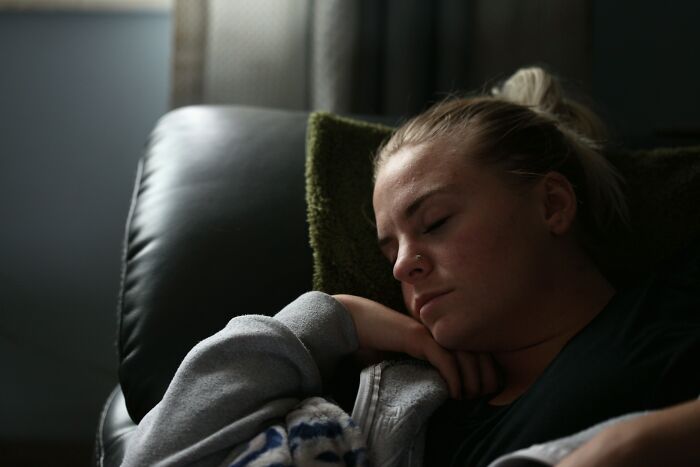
{"type": "Point", "coordinates": [421, 300]}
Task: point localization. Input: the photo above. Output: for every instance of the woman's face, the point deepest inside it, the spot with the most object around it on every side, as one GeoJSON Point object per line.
{"type": "Point", "coordinates": [466, 247]}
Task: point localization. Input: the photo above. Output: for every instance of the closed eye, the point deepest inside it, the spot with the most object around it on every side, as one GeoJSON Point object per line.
{"type": "Point", "coordinates": [435, 225]}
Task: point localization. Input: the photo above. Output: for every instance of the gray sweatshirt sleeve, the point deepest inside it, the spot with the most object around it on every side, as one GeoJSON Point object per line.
{"type": "Point", "coordinates": [242, 379]}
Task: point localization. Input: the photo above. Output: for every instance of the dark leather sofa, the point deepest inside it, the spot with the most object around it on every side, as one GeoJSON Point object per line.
{"type": "Point", "coordinates": [216, 228]}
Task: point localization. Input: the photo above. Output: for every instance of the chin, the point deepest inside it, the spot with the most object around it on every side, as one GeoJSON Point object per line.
{"type": "Point", "coordinates": [446, 337]}
{"type": "Point", "coordinates": [454, 338]}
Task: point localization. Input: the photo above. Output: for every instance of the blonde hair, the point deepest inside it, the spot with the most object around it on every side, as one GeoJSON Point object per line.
{"type": "Point", "coordinates": [527, 128]}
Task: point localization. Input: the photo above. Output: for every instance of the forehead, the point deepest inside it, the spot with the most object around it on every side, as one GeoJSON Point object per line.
{"type": "Point", "coordinates": [415, 167]}
{"type": "Point", "coordinates": [415, 170]}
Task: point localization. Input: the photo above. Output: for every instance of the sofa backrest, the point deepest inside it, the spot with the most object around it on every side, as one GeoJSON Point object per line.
{"type": "Point", "coordinates": [216, 229]}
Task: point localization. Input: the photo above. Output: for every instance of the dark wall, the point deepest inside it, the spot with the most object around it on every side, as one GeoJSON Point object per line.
{"type": "Point", "coordinates": [79, 93]}
{"type": "Point", "coordinates": [646, 69]}
{"type": "Point", "coordinates": [636, 59]}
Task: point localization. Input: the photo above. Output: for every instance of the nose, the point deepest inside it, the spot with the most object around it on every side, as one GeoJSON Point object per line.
{"type": "Point", "coordinates": [411, 266]}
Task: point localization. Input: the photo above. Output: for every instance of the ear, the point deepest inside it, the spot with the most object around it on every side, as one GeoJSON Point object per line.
{"type": "Point", "coordinates": [558, 202]}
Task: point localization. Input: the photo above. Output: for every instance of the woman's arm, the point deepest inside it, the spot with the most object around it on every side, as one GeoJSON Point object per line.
{"type": "Point", "coordinates": [380, 328]}
{"type": "Point", "coordinates": [666, 437]}
{"type": "Point", "coordinates": [239, 381]}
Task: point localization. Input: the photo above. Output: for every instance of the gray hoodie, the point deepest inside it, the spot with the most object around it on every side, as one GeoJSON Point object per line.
{"type": "Point", "coordinates": [235, 384]}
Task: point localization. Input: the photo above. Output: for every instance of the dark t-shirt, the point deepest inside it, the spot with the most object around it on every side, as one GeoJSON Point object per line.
{"type": "Point", "coordinates": [641, 352]}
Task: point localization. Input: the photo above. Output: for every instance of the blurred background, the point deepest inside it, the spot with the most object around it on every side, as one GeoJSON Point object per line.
{"type": "Point", "coordinates": [82, 82]}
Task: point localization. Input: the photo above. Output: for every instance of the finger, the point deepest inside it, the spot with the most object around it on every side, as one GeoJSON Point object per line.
{"type": "Point", "coordinates": [489, 374]}
{"type": "Point", "coordinates": [469, 370]}
{"type": "Point", "coordinates": [447, 366]}
{"type": "Point", "coordinates": [419, 343]}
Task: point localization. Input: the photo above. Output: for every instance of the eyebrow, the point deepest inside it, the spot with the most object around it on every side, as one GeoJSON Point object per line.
{"type": "Point", "coordinates": [412, 208]}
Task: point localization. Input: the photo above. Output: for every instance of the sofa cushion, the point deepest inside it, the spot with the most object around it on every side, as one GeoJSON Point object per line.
{"type": "Point", "coordinates": [663, 188]}
{"type": "Point", "coordinates": [346, 259]}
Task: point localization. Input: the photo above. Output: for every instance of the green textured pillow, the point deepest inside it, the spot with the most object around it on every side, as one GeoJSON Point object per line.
{"type": "Point", "coordinates": [663, 187]}
{"type": "Point", "coordinates": [339, 153]}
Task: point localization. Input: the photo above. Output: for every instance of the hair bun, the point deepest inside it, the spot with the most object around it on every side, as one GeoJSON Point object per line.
{"type": "Point", "coordinates": [535, 88]}
{"type": "Point", "coordinates": [532, 87]}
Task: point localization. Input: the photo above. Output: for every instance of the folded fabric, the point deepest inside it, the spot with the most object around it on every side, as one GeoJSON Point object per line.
{"type": "Point", "coordinates": [394, 402]}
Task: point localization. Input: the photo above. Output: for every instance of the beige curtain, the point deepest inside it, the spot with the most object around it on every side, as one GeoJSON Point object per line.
{"type": "Point", "coordinates": [251, 52]}
{"type": "Point", "coordinates": [366, 56]}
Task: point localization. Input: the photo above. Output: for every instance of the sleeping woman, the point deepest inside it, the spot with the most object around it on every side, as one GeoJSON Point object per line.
{"type": "Point", "coordinates": [517, 346]}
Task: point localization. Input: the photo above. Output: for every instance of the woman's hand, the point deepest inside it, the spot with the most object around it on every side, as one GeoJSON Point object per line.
{"type": "Point", "coordinates": [381, 328]}
{"type": "Point", "coordinates": [658, 439]}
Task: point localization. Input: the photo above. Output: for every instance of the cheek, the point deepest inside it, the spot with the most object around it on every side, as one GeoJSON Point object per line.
{"type": "Point", "coordinates": [487, 251]}
{"type": "Point", "coordinates": [475, 247]}
{"type": "Point", "coordinates": [510, 256]}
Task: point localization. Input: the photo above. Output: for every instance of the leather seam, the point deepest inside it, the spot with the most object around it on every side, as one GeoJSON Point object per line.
{"type": "Point", "coordinates": [100, 430]}
{"type": "Point", "coordinates": [125, 255]}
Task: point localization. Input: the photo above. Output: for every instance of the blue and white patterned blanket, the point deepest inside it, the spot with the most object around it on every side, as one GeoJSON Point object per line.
{"type": "Point", "coordinates": [316, 433]}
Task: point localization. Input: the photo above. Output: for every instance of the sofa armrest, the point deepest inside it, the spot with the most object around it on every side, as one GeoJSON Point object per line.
{"type": "Point", "coordinates": [115, 428]}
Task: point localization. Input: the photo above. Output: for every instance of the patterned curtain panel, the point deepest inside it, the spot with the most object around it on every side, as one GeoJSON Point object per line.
{"type": "Point", "coordinates": [390, 57]}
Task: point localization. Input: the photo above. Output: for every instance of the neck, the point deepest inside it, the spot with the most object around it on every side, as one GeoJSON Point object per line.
{"type": "Point", "coordinates": [582, 301]}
